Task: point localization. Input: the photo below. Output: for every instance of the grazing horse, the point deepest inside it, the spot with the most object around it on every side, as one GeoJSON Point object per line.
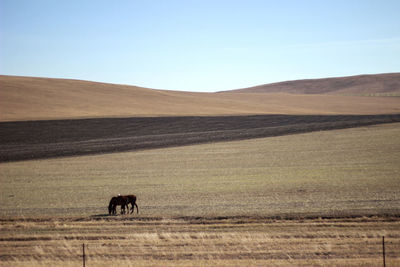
{"type": "Point", "coordinates": [132, 201]}
{"type": "Point", "coordinates": [117, 201]}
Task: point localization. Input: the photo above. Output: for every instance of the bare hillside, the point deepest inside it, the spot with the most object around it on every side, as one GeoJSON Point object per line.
{"type": "Point", "coordinates": [29, 98]}
{"type": "Point", "coordinates": [379, 84]}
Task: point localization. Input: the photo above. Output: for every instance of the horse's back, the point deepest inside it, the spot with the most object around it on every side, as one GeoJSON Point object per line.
{"type": "Point", "coordinates": [131, 197]}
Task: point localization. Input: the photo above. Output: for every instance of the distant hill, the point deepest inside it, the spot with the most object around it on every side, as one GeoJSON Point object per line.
{"type": "Point", "coordinates": [365, 85]}
{"type": "Point", "coordinates": [31, 98]}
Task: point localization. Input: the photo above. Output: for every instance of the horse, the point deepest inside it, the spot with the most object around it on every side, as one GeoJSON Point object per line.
{"type": "Point", "coordinates": [118, 201]}
{"type": "Point", "coordinates": [132, 201]}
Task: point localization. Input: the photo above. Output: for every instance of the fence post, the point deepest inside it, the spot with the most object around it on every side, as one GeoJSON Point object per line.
{"type": "Point", "coordinates": [383, 251]}
{"type": "Point", "coordinates": [83, 255]}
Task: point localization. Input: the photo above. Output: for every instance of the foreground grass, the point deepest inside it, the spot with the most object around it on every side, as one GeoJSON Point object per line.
{"type": "Point", "coordinates": [232, 241]}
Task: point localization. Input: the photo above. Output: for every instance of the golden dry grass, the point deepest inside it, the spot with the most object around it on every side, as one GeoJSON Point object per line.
{"type": "Point", "coordinates": [24, 98]}
{"type": "Point", "coordinates": [204, 242]}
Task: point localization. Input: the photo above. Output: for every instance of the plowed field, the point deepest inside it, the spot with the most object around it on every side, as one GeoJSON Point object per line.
{"type": "Point", "coordinates": [57, 138]}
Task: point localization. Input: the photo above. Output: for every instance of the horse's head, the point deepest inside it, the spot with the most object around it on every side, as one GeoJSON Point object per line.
{"type": "Point", "coordinates": [111, 206]}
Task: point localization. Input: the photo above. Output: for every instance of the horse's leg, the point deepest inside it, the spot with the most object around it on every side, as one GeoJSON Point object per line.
{"type": "Point", "coordinates": [137, 208]}
{"type": "Point", "coordinates": [127, 207]}
{"type": "Point", "coordinates": [133, 203]}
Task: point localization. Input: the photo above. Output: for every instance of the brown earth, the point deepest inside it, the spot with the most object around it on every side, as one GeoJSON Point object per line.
{"type": "Point", "coordinates": [379, 84]}
{"type": "Point", "coordinates": [28, 98]}
{"type": "Point", "coordinates": [46, 139]}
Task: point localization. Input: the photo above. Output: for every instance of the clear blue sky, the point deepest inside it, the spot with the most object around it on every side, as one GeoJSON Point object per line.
{"type": "Point", "coordinates": [204, 45]}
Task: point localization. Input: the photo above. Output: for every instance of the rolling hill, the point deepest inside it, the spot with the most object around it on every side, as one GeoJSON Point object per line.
{"type": "Point", "coordinates": [30, 98]}
{"type": "Point", "coordinates": [387, 84]}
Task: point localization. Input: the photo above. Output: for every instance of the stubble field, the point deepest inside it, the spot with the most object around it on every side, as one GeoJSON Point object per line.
{"type": "Point", "coordinates": [200, 242]}
{"type": "Point", "coordinates": [318, 198]}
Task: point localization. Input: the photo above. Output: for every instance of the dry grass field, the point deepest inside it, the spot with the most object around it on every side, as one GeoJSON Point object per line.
{"type": "Point", "coordinates": [25, 98]}
{"type": "Point", "coordinates": [321, 198]}
{"type": "Point", "coordinates": [127, 241]}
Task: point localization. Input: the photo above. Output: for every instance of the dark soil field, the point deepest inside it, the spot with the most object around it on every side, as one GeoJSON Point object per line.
{"type": "Point", "coordinates": [29, 140]}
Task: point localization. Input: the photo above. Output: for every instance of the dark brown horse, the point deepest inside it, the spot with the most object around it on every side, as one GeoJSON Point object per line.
{"type": "Point", "coordinates": [132, 201]}
{"type": "Point", "coordinates": [118, 201]}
